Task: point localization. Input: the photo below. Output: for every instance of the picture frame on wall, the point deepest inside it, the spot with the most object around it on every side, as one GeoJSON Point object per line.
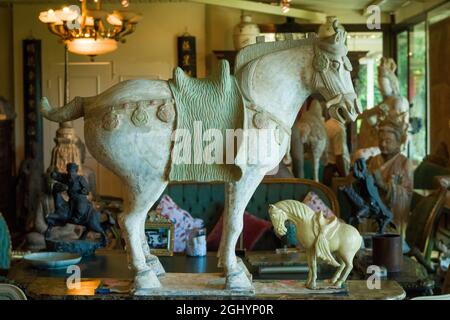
{"type": "Point", "coordinates": [187, 54]}
{"type": "Point", "coordinates": [160, 236]}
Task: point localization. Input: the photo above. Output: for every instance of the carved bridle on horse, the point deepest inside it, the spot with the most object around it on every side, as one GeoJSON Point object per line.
{"type": "Point", "coordinates": [330, 55]}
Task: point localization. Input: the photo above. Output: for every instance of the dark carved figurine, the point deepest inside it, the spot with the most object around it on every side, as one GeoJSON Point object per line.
{"type": "Point", "coordinates": [366, 199]}
{"type": "Point", "coordinates": [78, 210]}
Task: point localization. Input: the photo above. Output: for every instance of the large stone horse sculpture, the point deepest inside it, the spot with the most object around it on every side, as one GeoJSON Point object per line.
{"type": "Point", "coordinates": [130, 128]}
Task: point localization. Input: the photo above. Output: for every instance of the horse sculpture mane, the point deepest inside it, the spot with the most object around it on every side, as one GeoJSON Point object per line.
{"type": "Point", "coordinates": [295, 207]}
{"type": "Point", "coordinates": [258, 50]}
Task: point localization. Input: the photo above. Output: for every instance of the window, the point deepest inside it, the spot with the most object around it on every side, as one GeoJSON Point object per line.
{"type": "Point", "coordinates": [367, 87]}
{"type": "Point", "coordinates": [412, 76]}
{"type": "Point", "coordinates": [402, 62]}
{"type": "Point", "coordinates": [417, 91]}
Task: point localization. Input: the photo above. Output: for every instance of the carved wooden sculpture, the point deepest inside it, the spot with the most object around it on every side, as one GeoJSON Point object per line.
{"type": "Point", "coordinates": [129, 129]}
{"type": "Point", "coordinates": [321, 237]}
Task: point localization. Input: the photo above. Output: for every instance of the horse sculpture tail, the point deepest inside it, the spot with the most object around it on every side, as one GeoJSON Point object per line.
{"type": "Point", "coordinates": [323, 251]}
{"type": "Point", "coordinates": [71, 111]}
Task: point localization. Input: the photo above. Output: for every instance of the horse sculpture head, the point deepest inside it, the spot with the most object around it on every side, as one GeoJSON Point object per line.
{"type": "Point", "coordinates": [331, 80]}
{"type": "Point", "coordinates": [278, 218]}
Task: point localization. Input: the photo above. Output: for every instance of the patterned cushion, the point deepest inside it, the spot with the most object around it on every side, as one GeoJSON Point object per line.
{"type": "Point", "coordinates": [313, 201]}
{"type": "Point", "coordinates": [181, 219]}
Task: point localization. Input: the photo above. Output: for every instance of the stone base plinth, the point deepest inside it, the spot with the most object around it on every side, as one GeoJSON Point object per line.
{"type": "Point", "coordinates": [82, 247]}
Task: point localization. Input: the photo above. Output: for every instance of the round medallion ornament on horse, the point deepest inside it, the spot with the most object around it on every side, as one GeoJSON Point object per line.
{"type": "Point", "coordinates": [272, 81]}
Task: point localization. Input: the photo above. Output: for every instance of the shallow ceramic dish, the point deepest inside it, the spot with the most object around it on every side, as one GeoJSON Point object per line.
{"type": "Point", "coordinates": [52, 260]}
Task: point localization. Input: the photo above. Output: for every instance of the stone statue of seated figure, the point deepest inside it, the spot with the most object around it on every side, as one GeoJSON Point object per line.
{"type": "Point", "coordinates": [78, 210]}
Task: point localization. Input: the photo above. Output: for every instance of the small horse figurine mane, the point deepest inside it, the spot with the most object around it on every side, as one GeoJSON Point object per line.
{"type": "Point", "coordinates": [321, 237]}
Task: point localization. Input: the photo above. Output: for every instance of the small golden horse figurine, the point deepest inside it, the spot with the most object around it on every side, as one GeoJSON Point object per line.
{"type": "Point", "coordinates": [321, 237]}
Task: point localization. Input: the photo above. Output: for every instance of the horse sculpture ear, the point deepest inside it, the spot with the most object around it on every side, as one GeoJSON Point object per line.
{"type": "Point", "coordinates": [340, 36]}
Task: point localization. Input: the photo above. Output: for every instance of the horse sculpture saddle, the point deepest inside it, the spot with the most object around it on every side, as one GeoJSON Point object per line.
{"type": "Point", "coordinates": [202, 105]}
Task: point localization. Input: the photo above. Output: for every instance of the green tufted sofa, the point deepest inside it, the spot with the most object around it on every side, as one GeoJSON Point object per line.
{"type": "Point", "coordinates": [206, 200]}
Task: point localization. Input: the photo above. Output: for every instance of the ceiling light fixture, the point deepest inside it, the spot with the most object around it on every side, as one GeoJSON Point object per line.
{"type": "Point", "coordinates": [90, 31]}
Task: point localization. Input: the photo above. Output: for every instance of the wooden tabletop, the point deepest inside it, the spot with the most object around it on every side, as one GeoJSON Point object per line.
{"type": "Point", "coordinates": [45, 284]}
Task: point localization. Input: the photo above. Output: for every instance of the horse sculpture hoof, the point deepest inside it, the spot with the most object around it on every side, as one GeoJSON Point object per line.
{"type": "Point", "coordinates": [145, 281]}
{"type": "Point", "coordinates": [311, 285]}
{"type": "Point", "coordinates": [156, 266]}
{"type": "Point", "coordinates": [238, 281]}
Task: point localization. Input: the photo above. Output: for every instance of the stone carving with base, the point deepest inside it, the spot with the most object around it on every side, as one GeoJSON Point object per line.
{"type": "Point", "coordinates": [78, 210]}
{"type": "Point", "coordinates": [320, 236]}
{"type": "Point", "coordinates": [272, 82]}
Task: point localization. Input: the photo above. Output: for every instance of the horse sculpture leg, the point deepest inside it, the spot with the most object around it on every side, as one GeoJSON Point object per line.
{"type": "Point", "coordinates": [316, 159]}
{"type": "Point", "coordinates": [310, 272]}
{"type": "Point", "coordinates": [312, 277]}
{"type": "Point", "coordinates": [237, 196]}
{"type": "Point", "coordinates": [348, 261]}
{"type": "Point", "coordinates": [131, 221]}
{"type": "Point", "coordinates": [151, 260]}
{"type": "Point", "coordinates": [338, 272]}
{"type": "Point", "coordinates": [317, 151]}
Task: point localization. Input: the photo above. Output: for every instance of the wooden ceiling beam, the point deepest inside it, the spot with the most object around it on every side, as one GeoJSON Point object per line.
{"type": "Point", "coordinates": [266, 8]}
{"type": "Point", "coordinates": [378, 3]}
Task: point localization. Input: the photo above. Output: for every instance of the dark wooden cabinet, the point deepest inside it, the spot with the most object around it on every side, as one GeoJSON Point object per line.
{"type": "Point", "coordinates": [7, 169]}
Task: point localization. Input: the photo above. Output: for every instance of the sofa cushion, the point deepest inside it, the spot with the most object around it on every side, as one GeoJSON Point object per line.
{"type": "Point", "coordinates": [254, 228]}
{"type": "Point", "coordinates": [313, 201]}
{"type": "Point", "coordinates": [181, 219]}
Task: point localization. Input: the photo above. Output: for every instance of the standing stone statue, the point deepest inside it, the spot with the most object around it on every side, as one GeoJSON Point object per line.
{"type": "Point", "coordinates": [338, 156]}
{"type": "Point", "coordinates": [310, 130]}
{"type": "Point", "coordinates": [393, 106]}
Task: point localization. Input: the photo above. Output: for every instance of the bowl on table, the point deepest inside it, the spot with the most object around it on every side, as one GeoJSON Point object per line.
{"type": "Point", "coordinates": [52, 260]}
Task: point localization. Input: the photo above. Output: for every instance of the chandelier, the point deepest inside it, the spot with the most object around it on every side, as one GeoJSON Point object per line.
{"type": "Point", "coordinates": [93, 31]}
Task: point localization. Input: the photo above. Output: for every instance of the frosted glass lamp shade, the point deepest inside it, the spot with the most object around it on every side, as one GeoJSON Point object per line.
{"type": "Point", "coordinates": [91, 47]}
